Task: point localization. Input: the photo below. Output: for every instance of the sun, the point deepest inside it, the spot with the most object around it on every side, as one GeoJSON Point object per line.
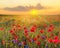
{"type": "Point", "coordinates": [33, 12]}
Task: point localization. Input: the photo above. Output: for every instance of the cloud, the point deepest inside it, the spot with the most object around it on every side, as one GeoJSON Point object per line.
{"type": "Point", "coordinates": [25, 8]}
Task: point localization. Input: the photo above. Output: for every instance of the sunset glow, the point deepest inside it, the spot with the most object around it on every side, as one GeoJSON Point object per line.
{"type": "Point", "coordinates": [51, 5]}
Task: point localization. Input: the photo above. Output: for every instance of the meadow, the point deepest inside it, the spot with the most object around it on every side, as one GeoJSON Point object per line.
{"type": "Point", "coordinates": [42, 31]}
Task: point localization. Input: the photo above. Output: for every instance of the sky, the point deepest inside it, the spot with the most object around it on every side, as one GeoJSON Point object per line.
{"type": "Point", "coordinates": [46, 6]}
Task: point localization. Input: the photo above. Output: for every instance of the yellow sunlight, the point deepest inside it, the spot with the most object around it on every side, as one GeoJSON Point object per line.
{"type": "Point", "coordinates": [33, 12]}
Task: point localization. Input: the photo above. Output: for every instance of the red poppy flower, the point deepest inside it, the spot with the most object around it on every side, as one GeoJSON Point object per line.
{"type": "Point", "coordinates": [1, 29]}
{"type": "Point", "coordinates": [59, 40]}
{"type": "Point", "coordinates": [25, 31]}
{"type": "Point", "coordinates": [16, 37]}
{"type": "Point", "coordinates": [35, 39]}
{"type": "Point", "coordinates": [50, 40]}
{"type": "Point", "coordinates": [41, 31]}
{"type": "Point", "coordinates": [24, 43]}
{"type": "Point", "coordinates": [38, 43]}
{"type": "Point", "coordinates": [26, 34]}
{"type": "Point", "coordinates": [30, 40]}
{"type": "Point", "coordinates": [12, 32]}
{"type": "Point", "coordinates": [56, 41]}
{"type": "Point", "coordinates": [50, 29]}
{"type": "Point", "coordinates": [18, 27]}
{"type": "Point", "coordinates": [33, 29]}
{"type": "Point", "coordinates": [51, 25]}
{"type": "Point", "coordinates": [55, 37]}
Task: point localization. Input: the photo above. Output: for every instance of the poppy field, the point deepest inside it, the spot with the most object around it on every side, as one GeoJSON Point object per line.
{"type": "Point", "coordinates": [30, 32]}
